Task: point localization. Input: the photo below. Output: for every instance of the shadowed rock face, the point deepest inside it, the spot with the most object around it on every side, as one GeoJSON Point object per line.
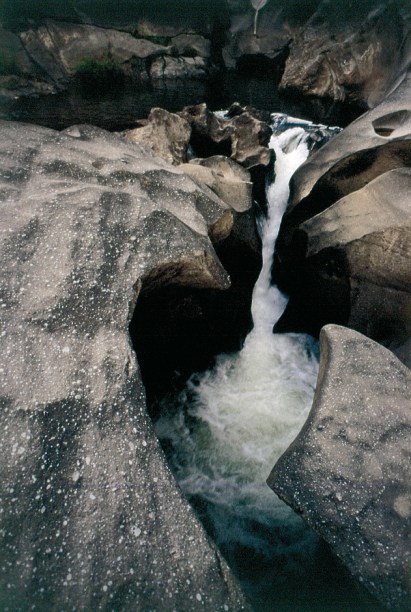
{"type": "Point", "coordinates": [243, 136]}
{"type": "Point", "coordinates": [324, 48]}
{"type": "Point", "coordinates": [344, 248]}
{"type": "Point", "coordinates": [348, 472]}
{"type": "Point", "coordinates": [343, 53]}
{"type": "Point", "coordinates": [91, 517]}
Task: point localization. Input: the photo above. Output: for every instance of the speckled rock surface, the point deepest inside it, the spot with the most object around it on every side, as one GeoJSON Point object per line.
{"type": "Point", "coordinates": [91, 517]}
{"type": "Point", "coordinates": [343, 253]}
{"type": "Point", "coordinates": [349, 471]}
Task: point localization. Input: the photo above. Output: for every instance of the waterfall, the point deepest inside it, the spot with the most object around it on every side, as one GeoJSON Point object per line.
{"type": "Point", "coordinates": [226, 430]}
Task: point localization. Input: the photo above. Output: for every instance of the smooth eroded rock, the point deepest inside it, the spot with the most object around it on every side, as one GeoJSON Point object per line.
{"type": "Point", "coordinates": [230, 181]}
{"type": "Point", "coordinates": [59, 48]}
{"type": "Point", "coordinates": [348, 473]}
{"type": "Point", "coordinates": [344, 248]}
{"type": "Point", "coordinates": [91, 516]}
{"type": "Point", "coordinates": [348, 53]}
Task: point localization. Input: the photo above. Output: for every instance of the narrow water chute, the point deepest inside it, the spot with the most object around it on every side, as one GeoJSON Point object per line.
{"type": "Point", "coordinates": [228, 427]}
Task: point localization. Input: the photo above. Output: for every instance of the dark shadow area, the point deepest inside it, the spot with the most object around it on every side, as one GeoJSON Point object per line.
{"type": "Point", "coordinates": [319, 287]}
{"type": "Point", "coordinates": [178, 330]}
{"type": "Point", "coordinates": [120, 107]}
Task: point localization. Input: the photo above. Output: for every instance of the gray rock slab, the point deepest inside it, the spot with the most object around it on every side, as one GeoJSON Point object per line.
{"type": "Point", "coordinates": [172, 68]}
{"type": "Point", "coordinates": [230, 181]}
{"type": "Point", "coordinates": [348, 473]}
{"type": "Point", "coordinates": [192, 44]}
{"type": "Point", "coordinates": [59, 47]}
{"type": "Point", "coordinates": [347, 54]}
{"type": "Point", "coordinates": [167, 134]}
{"type": "Point", "coordinates": [91, 517]}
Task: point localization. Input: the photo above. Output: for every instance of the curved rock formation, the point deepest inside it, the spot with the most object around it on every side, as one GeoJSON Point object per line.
{"type": "Point", "coordinates": [91, 516]}
{"type": "Point", "coordinates": [230, 181]}
{"type": "Point", "coordinates": [348, 473]}
{"type": "Point", "coordinates": [344, 247]}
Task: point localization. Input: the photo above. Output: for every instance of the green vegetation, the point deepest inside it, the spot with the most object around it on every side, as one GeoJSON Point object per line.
{"type": "Point", "coordinates": [92, 73]}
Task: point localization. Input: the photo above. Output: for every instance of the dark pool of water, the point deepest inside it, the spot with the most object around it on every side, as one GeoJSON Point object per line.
{"type": "Point", "coordinates": [120, 107]}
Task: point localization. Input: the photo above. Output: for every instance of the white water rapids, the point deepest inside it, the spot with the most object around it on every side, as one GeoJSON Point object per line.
{"type": "Point", "coordinates": [225, 432]}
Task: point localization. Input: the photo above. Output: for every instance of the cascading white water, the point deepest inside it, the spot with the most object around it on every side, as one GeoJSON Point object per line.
{"type": "Point", "coordinates": [230, 425]}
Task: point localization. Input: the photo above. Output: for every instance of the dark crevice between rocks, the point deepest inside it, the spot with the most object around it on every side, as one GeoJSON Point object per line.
{"type": "Point", "coordinates": [319, 287]}
{"type": "Point", "coordinates": [259, 66]}
{"type": "Point", "coordinates": [178, 330]}
{"type": "Point", "coordinates": [323, 108]}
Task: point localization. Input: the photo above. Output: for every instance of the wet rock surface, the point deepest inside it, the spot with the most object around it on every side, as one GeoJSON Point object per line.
{"type": "Point", "coordinates": [348, 471]}
{"type": "Point", "coordinates": [91, 516]}
{"type": "Point", "coordinates": [344, 248]}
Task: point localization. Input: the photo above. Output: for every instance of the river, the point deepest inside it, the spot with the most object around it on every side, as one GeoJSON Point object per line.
{"type": "Point", "coordinates": [228, 427]}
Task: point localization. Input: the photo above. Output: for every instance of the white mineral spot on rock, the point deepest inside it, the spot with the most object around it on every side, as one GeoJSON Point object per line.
{"type": "Point", "coordinates": [136, 531]}
{"type": "Point", "coordinates": [75, 476]}
{"type": "Point", "coordinates": [198, 597]}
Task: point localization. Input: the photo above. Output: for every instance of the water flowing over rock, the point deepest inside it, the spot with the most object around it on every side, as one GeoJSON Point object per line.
{"type": "Point", "coordinates": [91, 516]}
{"type": "Point", "coordinates": [344, 248]}
{"type": "Point", "coordinates": [348, 471]}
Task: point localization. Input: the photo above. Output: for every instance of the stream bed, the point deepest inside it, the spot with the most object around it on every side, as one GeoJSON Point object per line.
{"type": "Point", "coordinates": [224, 432]}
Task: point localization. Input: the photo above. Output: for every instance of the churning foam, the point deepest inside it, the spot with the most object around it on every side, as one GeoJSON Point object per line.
{"type": "Point", "coordinates": [232, 423]}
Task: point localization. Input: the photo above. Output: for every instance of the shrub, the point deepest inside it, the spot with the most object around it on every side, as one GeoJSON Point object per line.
{"type": "Point", "coordinates": [94, 73]}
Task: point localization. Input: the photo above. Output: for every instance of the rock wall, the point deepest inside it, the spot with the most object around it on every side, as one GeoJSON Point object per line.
{"type": "Point", "coordinates": [91, 517]}
{"type": "Point", "coordinates": [344, 248]}
{"type": "Point", "coordinates": [315, 48]}
{"type": "Point", "coordinates": [348, 472]}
